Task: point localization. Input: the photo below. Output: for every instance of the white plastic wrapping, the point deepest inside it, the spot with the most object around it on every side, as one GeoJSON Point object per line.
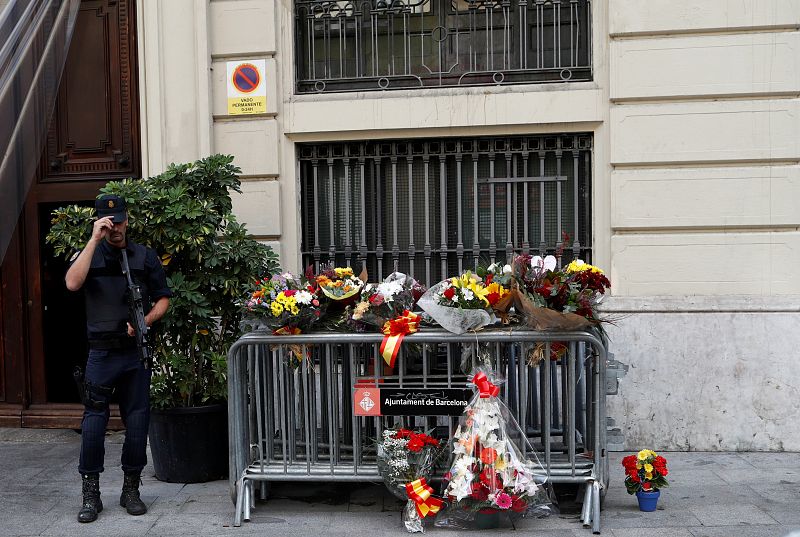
{"type": "Point", "coordinates": [495, 471]}
{"type": "Point", "coordinates": [456, 320]}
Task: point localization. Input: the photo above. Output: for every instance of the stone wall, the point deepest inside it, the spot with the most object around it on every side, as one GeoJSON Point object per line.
{"type": "Point", "coordinates": [696, 119]}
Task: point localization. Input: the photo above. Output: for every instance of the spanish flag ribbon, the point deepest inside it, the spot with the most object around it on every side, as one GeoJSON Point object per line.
{"type": "Point", "coordinates": [286, 331]}
{"type": "Point", "coordinates": [486, 388]}
{"type": "Point", "coordinates": [394, 331]}
{"type": "Point", "coordinates": [297, 350]}
{"type": "Point", "coordinates": [421, 493]}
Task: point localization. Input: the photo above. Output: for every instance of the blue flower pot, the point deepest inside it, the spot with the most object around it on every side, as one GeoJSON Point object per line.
{"type": "Point", "coordinates": [648, 500]}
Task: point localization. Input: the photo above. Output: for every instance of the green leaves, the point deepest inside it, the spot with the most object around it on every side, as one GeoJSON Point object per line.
{"type": "Point", "coordinates": [185, 213]}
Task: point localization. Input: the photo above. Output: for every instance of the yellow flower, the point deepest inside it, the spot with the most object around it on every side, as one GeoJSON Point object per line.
{"type": "Point", "coordinates": [500, 464]}
{"type": "Point", "coordinates": [276, 308]}
{"type": "Point", "coordinates": [643, 454]}
{"type": "Point", "coordinates": [648, 468]}
{"type": "Point", "coordinates": [648, 475]}
{"type": "Point", "coordinates": [343, 272]}
{"type": "Point", "coordinates": [578, 265]}
{"type": "Point", "coordinates": [638, 466]}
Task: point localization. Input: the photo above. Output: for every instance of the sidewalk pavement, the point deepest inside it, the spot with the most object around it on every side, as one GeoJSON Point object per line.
{"type": "Point", "coordinates": [711, 495]}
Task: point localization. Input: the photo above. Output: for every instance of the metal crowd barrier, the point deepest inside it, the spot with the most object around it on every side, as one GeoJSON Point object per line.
{"type": "Point", "coordinates": [291, 421]}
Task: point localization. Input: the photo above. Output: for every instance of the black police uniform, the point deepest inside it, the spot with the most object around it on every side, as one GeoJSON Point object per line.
{"type": "Point", "coordinates": [113, 358]}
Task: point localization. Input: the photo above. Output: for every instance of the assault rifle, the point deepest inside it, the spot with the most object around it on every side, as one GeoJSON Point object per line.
{"type": "Point", "coordinates": [136, 308]}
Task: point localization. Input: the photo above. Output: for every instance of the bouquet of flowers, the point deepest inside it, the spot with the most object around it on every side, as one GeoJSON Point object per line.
{"type": "Point", "coordinates": [646, 471]}
{"type": "Point", "coordinates": [382, 302]}
{"type": "Point", "coordinates": [339, 284]}
{"type": "Point", "coordinates": [578, 288]}
{"type": "Point", "coordinates": [405, 461]}
{"type": "Point", "coordinates": [550, 298]}
{"type": "Point", "coordinates": [490, 475]}
{"type": "Point", "coordinates": [283, 303]}
{"type": "Point", "coordinates": [462, 303]}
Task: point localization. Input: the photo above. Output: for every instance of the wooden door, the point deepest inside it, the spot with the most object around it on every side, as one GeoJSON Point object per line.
{"type": "Point", "coordinates": [93, 138]}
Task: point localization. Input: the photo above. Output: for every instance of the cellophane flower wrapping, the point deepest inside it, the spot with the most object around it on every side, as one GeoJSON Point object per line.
{"type": "Point", "coordinates": [405, 456]}
{"type": "Point", "coordinates": [339, 285]}
{"type": "Point", "coordinates": [495, 468]}
{"type": "Point", "coordinates": [282, 301]}
{"type": "Point", "coordinates": [384, 301]}
{"type": "Point", "coordinates": [456, 318]}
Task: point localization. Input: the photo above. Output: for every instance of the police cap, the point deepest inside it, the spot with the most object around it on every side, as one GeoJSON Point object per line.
{"type": "Point", "coordinates": [113, 206]}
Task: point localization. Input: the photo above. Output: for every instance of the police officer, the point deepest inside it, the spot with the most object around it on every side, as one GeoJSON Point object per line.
{"type": "Point", "coordinates": [113, 364]}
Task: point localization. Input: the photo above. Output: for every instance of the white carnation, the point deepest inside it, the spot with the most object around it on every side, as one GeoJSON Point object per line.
{"type": "Point", "coordinates": [303, 297]}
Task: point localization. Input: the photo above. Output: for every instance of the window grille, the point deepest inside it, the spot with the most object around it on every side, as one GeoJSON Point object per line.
{"type": "Point", "coordinates": [435, 207]}
{"type": "Point", "coordinates": [349, 45]}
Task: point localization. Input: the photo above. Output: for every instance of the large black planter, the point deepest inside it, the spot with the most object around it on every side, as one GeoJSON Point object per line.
{"type": "Point", "coordinates": [190, 445]}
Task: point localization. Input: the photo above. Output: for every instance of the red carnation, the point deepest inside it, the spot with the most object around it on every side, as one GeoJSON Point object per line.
{"type": "Point", "coordinates": [449, 293]}
{"type": "Point", "coordinates": [415, 443]}
{"type": "Point", "coordinates": [290, 292]}
{"type": "Point", "coordinates": [493, 298]}
{"type": "Point", "coordinates": [479, 492]}
{"type": "Point", "coordinates": [518, 505]}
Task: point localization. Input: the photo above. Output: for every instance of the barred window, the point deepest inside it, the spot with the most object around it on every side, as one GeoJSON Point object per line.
{"type": "Point", "coordinates": [435, 207]}
{"type": "Point", "coordinates": [349, 45]}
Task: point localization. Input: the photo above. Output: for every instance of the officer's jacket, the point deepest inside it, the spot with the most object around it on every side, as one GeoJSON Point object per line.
{"type": "Point", "coordinates": [106, 288]}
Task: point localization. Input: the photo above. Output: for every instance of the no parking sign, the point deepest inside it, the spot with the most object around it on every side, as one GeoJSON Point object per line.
{"type": "Point", "coordinates": [247, 90]}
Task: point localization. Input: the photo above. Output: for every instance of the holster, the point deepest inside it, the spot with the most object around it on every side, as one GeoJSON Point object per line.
{"type": "Point", "coordinates": [94, 396]}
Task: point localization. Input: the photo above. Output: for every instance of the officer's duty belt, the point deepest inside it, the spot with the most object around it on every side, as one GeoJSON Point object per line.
{"type": "Point", "coordinates": [111, 344]}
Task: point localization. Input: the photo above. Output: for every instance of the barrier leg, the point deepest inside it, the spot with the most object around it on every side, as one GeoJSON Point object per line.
{"type": "Point", "coordinates": [596, 508]}
{"type": "Point", "coordinates": [248, 499]}
{"type": "Point", "coordinates": [237, 517]}
{"type": "Point", "coordinates": [586, 510]}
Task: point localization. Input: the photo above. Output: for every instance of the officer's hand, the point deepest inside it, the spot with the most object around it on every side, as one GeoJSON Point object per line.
{"type": "Point", "coordinates": [101, 228]}
{"type": "Point", "coordinates": [131, 332]}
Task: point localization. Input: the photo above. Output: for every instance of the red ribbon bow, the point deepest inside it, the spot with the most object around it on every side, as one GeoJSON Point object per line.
{"type": "Point", "coordinates": [394, 331]}
{"type": "Point", "coordinates": [486, 388]}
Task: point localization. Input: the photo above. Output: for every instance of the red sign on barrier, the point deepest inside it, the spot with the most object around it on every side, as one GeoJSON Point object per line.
{"type": "Point", "coordinates": [366, 402]}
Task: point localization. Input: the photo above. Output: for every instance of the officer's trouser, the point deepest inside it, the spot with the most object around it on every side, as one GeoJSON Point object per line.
{"type": "Point", "coordinates": [122, 369]}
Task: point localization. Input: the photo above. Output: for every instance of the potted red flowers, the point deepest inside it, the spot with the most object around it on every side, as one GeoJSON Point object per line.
{"type": "Point", "coordinates": [645, 474]}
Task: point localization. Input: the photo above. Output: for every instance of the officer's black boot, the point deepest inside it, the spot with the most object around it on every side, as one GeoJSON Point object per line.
{"type": "Point", "coordinates": [130, 499]}
{"type": "Point", "coordinates": [91, 498]}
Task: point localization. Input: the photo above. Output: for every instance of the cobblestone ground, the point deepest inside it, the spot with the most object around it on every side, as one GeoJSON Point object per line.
{"type": "Point", "coordinates": [711, 495]}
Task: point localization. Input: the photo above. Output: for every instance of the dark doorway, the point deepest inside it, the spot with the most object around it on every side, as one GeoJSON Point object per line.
{"type": "Point", "coordinates": [63, 318]}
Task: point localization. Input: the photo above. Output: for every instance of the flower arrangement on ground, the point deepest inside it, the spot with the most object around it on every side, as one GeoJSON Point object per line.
{"type": "Point", "coordinates": [489, 473]}
{"type": "Point", "coordinates": [463, 303]}
{"type": "Point", "coordinates": [284, 303]}
{"type": "Point", "coordinates": [405, 461]}
{"type": "Point", "coordinates": [645, 474]}
{"type": "Point", "coordinates": [645, 471]}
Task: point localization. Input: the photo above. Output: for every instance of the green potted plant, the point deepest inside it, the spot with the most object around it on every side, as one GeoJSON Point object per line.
{"type": "Point", "coordinates": [185, 214]}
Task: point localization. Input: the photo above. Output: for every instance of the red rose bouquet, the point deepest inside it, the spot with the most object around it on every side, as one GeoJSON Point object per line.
{"type": "Point", "coordinates": [405, 461]}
